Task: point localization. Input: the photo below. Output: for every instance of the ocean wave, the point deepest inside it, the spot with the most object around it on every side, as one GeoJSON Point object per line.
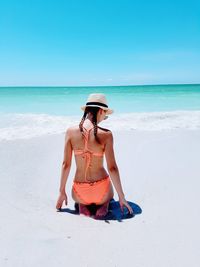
{"type": "Point", "coordinates": [28, 125]}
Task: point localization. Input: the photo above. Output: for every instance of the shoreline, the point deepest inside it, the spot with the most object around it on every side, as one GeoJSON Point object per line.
{"type": "Point", "coordinates": [26, 126]}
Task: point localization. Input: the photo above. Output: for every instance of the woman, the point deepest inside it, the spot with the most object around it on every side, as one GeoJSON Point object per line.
{"type": "Point", "coordinates": [89, 142]}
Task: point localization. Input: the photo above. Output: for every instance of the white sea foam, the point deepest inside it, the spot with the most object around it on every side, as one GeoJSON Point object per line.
{"type": "Point", "coordinates": [28, 125]}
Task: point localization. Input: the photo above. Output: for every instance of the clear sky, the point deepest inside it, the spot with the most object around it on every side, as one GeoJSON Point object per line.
{"type": "Point", "coordinates": [99, 42]}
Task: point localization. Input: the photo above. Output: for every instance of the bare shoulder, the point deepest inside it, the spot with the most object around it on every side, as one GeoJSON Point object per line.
{"type": "Point", "coordinates": [107, 134]}
{"type": "Point", "coordinates": [71, 130]}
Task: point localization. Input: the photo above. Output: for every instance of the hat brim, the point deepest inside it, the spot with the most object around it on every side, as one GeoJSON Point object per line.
{"type": "Point", "coordinates": [108, 110]}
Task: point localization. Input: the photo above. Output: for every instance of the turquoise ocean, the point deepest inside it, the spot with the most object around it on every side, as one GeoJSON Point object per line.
{"type": "Point", "coordinates": [26, 112]}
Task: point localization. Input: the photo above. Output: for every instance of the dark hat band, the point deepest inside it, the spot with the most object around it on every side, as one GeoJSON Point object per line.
{"type": "Point", "coordinates": [96, 103]}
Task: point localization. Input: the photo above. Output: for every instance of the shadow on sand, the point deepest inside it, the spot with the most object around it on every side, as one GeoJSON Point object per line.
{"type": "Point", "coordinates": [114, 211]}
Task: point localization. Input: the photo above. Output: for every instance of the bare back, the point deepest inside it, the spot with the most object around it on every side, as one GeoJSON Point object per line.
{"type": "Point", "coordinates": [96, 170]}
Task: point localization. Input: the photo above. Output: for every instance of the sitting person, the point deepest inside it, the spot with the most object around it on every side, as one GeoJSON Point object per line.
{"type": "Point", "coordinates": [91, 183]}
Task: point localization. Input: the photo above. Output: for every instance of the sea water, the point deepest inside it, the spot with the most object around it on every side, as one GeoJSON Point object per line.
{"type": "Point", "coordinates": [26, 112]}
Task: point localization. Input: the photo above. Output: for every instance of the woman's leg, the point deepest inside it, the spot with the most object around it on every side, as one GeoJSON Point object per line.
{"type": "Point", "coordinates": [103, 209]}
{"type": "Point", "coordinates": [84, 210]}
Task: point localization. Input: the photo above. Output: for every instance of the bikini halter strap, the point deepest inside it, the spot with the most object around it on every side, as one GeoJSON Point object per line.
{"type": "Point", "coordinates": [87, 152]}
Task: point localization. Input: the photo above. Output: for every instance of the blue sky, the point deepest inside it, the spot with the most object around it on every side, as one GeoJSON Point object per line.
{"type": "Point", "coordinates": [97, 42]}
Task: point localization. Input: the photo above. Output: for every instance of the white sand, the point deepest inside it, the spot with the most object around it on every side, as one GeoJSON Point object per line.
{"type": "Point", "coordinates": [160, 172]}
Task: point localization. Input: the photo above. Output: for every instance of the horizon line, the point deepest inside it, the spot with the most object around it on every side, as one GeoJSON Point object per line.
{"type": "Point", "coordinates": [99, 85]}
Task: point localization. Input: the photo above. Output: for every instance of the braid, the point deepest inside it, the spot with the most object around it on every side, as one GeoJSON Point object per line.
{"type": "Point", "coordinates": [94, 121]}
{"type": "Point", "coordinates": [82, 121]}
{"type": "Point", "coordinates": [93, 111]}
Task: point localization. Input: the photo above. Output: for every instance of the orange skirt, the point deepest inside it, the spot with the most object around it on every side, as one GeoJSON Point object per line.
{"type": "Point", "coordinates": [92, 192]}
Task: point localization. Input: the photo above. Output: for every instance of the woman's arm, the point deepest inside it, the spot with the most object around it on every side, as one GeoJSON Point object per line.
{"type": "Point", "coordinates": [114, 173]}
{"type": "Point", "coordinates": [66, 165]}
{"type": "Point", "coordinates": [112, 165]}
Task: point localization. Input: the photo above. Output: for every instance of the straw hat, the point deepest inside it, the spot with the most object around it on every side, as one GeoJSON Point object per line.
{"type": "Point", "coordinates": [97, 100]}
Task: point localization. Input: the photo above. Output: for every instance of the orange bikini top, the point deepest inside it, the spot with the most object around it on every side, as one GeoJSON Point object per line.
{"type": "Point", "coordinates": [86, 152]}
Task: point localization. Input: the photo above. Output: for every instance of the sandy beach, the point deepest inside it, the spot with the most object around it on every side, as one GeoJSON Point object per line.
{"type": "Point", "coordinates": [160, 173]}
{"type": "Point", "coordinates": [131, 67]}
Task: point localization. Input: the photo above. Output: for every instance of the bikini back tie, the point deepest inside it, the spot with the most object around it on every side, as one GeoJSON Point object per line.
{"type": "Point", "coordinates": [86, 152]}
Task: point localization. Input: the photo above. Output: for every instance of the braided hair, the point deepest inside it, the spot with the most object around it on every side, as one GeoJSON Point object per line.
{"type": "Point", "coordinates": [93, 111]}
